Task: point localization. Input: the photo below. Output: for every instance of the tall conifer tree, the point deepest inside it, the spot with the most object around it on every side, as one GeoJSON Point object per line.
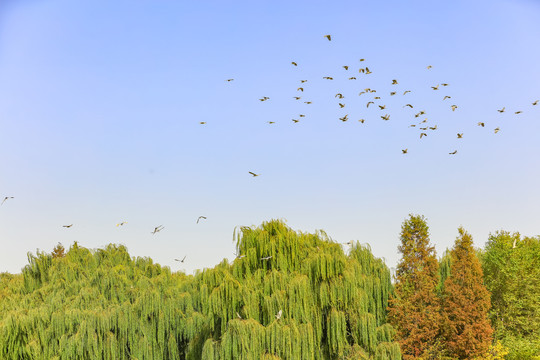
{"type": "Point", "coordinates": [414, 310]}
{"type": "Point", "coordinates": [466, 302]}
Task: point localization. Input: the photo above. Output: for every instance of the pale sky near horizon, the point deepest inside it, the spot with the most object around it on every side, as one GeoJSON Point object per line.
{"type": "Point", "coordinates": [101, 104]}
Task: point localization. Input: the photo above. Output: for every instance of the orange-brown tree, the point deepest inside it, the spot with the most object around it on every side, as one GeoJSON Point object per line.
{"type": "Point", "coordinates": [414, 310]}
{"type": "Point", "coordinates": [466, 302]}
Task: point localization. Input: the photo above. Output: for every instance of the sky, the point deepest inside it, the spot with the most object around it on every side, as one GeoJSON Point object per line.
{"type": "Point", "coordinates": [101, 104]}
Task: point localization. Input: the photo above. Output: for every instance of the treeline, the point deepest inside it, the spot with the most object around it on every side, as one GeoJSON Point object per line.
{"type": "Point", "coordinates": [288, 295]}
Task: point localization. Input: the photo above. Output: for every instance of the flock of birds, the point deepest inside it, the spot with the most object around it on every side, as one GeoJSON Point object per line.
{"type": "Point", "coordinates": [421, 125]}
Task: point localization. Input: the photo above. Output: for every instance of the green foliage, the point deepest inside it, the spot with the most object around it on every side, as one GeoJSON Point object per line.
{"type": "Point", "coordinates": [511, 266]}
{"type": "Point", "coordinates": [104, 304]}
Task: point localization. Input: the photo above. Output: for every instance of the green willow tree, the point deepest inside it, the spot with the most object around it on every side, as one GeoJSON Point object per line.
{"type": "Point", "coordinates": [414, 309]}
{"type": "Point", "coordinates": [511, 266]}
{"type": "Point", "coordinates": [104, 304]}
{"type": "Point", "coordinates": [466, 302]}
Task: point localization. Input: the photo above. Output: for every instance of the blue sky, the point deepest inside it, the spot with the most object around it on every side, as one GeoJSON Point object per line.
{"type": "Point", "coordinates": [101, 104]}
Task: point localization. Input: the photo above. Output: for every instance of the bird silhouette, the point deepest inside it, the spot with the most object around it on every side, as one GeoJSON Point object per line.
{"type": "Point", "coordinates": [181, 260]}
{"type": "Point", "coordinates": [157, 229]}
{"type": "Point", "coordinates": [295, 64]}
{"type": "Point", "coordinates": [300, 89]}
{"type": "Point", "coordinates": [328, 78]}
{"type": "Point", "coordinates": [444, 84]}
{"type": "Point", "coordinates": [264, 98]}
{"type": "Point", "coordinates": [433, 127]}
{"type": "Point", "coordinates": [329, 37]}
{"type": "Point", "coordinates": [307, 102]}
{"type": "Point", "coordinates": [518, 112]}
{"type": "Point", "coordinates": [497, 130]}
{"type": "Point", "coordinates": [453, 152]}
{"type": "Point", "coordinates": [422, 134]}
{"type": "Point", "coordinates": [341, 105]}
{"type": "Point", "coordinates": [406, 91]}
{"type": "Point", "coordinates": [271, 122]}
{"type": "Point", "coordinates": [121, 223]}
{"type": "Point", "coordinates": [435, 87]}
{"type": "Point", "coordinates": [404, 151]}
{"type": "Point", "coordinates": [362, 59]}
{"type": "Point", "coordinates": [295, 120]}
{"type": "Point", "coordinates": [502, 110]}
{"type": "Point", "coordinates": [302, 115]}
{"type": "Point", "coordinates": [201, 217]}
{"type": "Point", "coordinates": [385, 117]}
{"type": "Point", "coordinates": [392, 93]}
{"type": "Point", "coordinates": [297, 97]}
{"type": "Point", "coordinates": [367, 70]}
{"type": "Point", "coordinates": [202, 122]}
{"type": "Point", "coordinates": [481, 124]}
{"type": "Point", "coordinates": [371, 102]}
{"type": "Point", "coordinates": [339, 95]}
{"type": "Point", "coordinates": [303, 81]}
{"type": "Point", "coordinates": [454, 107]}
{"type": "Point", "coordinates": [352, 78]}
{"type": "Point", "coordinates": [382, 107]}
{"type": "Point", "coordinates": [460, 135]}
{"type": "Point", "coordinates": [429, 67]}
{"type": "Point", "coordinates": [67, 226]}
{"type": "Point", "coordinates": [394, 82]}
{"type": "Point", "coordinates": [254, 175]}
{"type": "Point", "coordinates": [362, 120]}
{"type": "Point", "coordinates": [535, 103]}
{"type": "Point", "coordinates": [6, 198]}
{"type": "Point", "coordinates": [345, 67]}
{"type": "Point", "coordinates": [345, 118]}
{"type": "Point", "coordinates": [409, 105]}
{"type": "Point", "coordinates": [229, 80]}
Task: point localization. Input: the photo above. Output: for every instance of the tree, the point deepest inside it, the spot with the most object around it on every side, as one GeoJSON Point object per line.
{"type": "Point", "coordinates": [511, 266]}
{"type": "Point", "coordinates": [58, 251]}
{"type": "Point", "coordinates": [414, 310]}
{"type": "Point", "coordinates": [466, 302]}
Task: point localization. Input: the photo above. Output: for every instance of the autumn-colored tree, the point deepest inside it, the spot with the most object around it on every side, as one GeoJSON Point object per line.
{"type": "Point", "coordinates": [58, 251]}
{"type": "Point", "coordinates": [466, 302]}
{"type": "Point", "coordinates": [414, 310]}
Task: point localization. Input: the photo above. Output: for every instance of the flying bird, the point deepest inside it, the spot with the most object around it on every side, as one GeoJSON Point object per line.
{"type": "Point", "coordinates": [328, 37]}
{"type": "Point", "coordinates": [453, 152]}
{"type": "Point", "coordinates": [444, 84]}
{"type": "Point", "coordinates": [371, 102]}
{"type": "Point", "coordinates": [382, 107]}
{"type": "Point", "coordinates": [67, 226]}
{"type": "Point", "coordinates": [361, 70]}
{"type": "Point", "coordinates": [454, 107]}
{"type": "Point", "coordinates": [339, 95]}
{"type": "Point", "coordinates": [264, 98]}
{"type": "Point", "coordinates": [394, 82]}
{"type": "Point", "coordinates": [254, 175]}
{"type": "Point", "coordinates": [367, 70]}
{"type": "Point", "coordinates": [341, 105]}
{"type": "Point", "coordinates": [303, 81]}
{"type": "Point", "coordinates": [345, 67]}
{"type": "Point", "coordinates": [229, 80]}
{"type": "Point", "coordinates": [535, 103]}
{"type": "Point", "coordinates": [121, 223]}
{"type": "Point", "coordinates": [435, 87]}
{"type": "Point", "coordinates": [362, 120]}
{"type": "Point", "coordinates": [302, 115]}
{"type": "Point", "coordinates": [352, 78]}
{"type": "Point", "coordinates": [295, 120]}
{"type": "Point", "coordinates": [404, 151]}
{"type": "Point", "coordinates": [481, 124]}
{"type": "Point", "coordinates": [392, 93]}
{"type": "Point", "coordinates": [307, 102]}
{"type": "Point", "coordinates": [502, 110]}
{"type": "Point", "coordinates": [446, 97]}
{"type": "Point", "coordinates": [266, 258]}
{"type": "Point", "coordinates": [6, 198]}
{"type": "Point", "coordinates": [181, 260]}
{"type": "Point", "coordinates": [422, 134]}
{"type": "Point", "coordinates": [202, 122]}
{"type": "Point", "coordinates": [409, 105]}
{"type": "Point", "coordinates": [278, 316]}
{"type": "Point", "coordinates": [328, 78]}
{"type": "Point", "coordinates": [433, 127]}
{"type": "Point", "coordinates": [385, 117]}
{"type": "Point", "coordinates": [297, 97]}
{"type": "Point", "coordinates": [271, 122]}
{"type": "Point", "coordinates": [157, 229]}
{"type": "Point", "coordinates": [406, 91]}
{"type": "Point", "coordinates": [377, 98]}
{"type": "Point", "coordinates": [518, 112]}
{"type": "Point", "coordinates": [201, 217]}
{"type": "Point", "coordinates": [345, 118]}
{"type": "Point", "coordinates": [350, 243]}
{"type": "Point", "coordinates": [295, 64]}
{"type": "Point", "coordinates": [429, 67]}
{"type": "Point", "coordinates": [362, 59]}
{"type": "Point", "coordinates": [300, 89]}
{"type": "Point", "coordinates": [497, 130]}
{"type": "Point", "coordinates": [460, 135]}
